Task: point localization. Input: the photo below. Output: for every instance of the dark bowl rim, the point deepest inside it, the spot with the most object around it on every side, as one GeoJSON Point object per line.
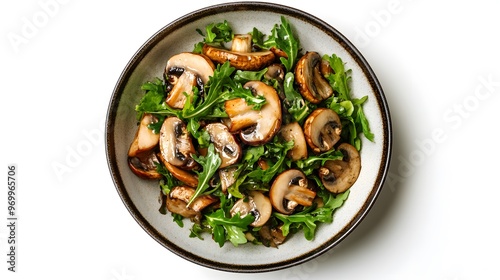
{"type": "Point", "coordinates": [242, 6]}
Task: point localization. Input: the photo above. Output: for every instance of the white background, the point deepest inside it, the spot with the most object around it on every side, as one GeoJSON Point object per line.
{"type": "Point", "coordinates": [437, 217]}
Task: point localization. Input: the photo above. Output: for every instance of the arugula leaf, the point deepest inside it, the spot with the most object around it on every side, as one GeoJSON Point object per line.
{"type": "Point", "coordinates": [210, 163]}
{"type": "Point", "coordinates": [307, 220]}
{"type": "Point", "coordinates": [216, 34]}
{"type": "Point", "coordinates": [282, 37]}
{"type": "Point", "coordinates": [298, 108]}
{"type": "Point", "coordinates": [153, 99]}
{"type": "Point", "coordinates": [245, 76]}
{"type": "Point", "coordinates": [228, 228]}
{"type": "Point", "coordinates": [350, 110]}
{"type": "Point", "coordinates": [312, 163]}
{"type": "Point", "coordinates": [275, 151]}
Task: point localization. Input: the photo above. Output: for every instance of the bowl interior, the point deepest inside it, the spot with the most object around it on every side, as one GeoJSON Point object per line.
{"type": "Point", "coordinates": [142, 198]}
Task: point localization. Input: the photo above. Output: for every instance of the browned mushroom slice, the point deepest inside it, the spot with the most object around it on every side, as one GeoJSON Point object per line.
{"type": "Point", "coordinates": [312, 84]}
{"type": "Point", "coordinates": [142, 158]}
{"type": "Point", "coordinates": [256, 127]}
{"type": "Point", "coordinates": [255, 203]}
{"type": "Point", "coordinates": [144, 165]}
{"type": "Point", "coordinates": [183, 72]}
{"type": "Point", "coordinates": [179, 197]}
{"type": "Point", "coordinates": [225, 144]}
{"type": "Point", "coordinates": [293, 131]}
{"type": "Point", "coordinates": [240, 56]}
{"type": "Point", "coordinates": [339, 175]}
{"type": "Point", "coordinates": [322, 129]}
{"type": "Point", "coordinates": [187, 177]}
{"type": "Point", "coordinates": [176, 146]}
{"type": "Point", "coordinates": [289, 190]}
{"type": "Point", "coordinates": [145, 139]}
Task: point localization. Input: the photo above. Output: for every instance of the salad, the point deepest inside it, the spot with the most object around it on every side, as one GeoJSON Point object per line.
{"type": "Point", "coordinates": [251, 137]}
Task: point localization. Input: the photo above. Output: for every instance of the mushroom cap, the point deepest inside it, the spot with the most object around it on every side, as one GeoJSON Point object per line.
{"type": "Point", "coordinates": [289, 190]}
{"type": "Point", "coordinates": [293, 131]}
{"type": "Point", "coordinates": [256, 127]}
{"type": "Point", "coordinates": [198, 64]}
{"type": "Point", "coordinates": [225, 144]}
{"type": "Point", "coordinates": [255, 203]}
{"type": "Point", "coordinates": [250, 61]}
{"type": "Point", "coordinates": [312, 84]}
{"type": "Point", "coordinates": [145, 139]}
{"type": "Point", "coordinates": [195, 69]}
{"type": "Point", "coordinates": [322, 129]}
{"type": "Point", "coordinates": [339, 175]}
{"type": "Point", "coordinates": [176, 146]}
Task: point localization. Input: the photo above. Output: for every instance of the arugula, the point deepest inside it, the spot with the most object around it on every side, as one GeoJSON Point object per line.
{"type": "Point", "coordinates": [307, 219]}
{"type": "Point", "coordinates": [216, 34]}
{"type": "Point", "coordinates": [298, 108]}
{"type": "Point", "coordinates": [312, 163]}
{"type": "Point", "coordinates": [210, 163]}
{"type": "Point", "coordinates": [229, 228]}
{"type": "Point", "coordinates": [349, 109]}
{"type": "Point", "coordinates": [282, 37]}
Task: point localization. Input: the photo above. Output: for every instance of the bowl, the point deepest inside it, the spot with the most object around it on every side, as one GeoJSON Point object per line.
{"type": "Point", "coordinates": [141, 197]}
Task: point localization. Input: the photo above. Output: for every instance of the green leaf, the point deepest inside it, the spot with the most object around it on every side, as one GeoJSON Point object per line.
{"type": "Point", "coordinates": [228, 228]}
{"type": "Point", "coordinates": [210, 163]}
{"type": "Point", "coordinates": [283, 38]}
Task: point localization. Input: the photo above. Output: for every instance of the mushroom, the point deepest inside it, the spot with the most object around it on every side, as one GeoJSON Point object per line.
{"type": "Point", "coordinates": [145, 139]}
{"type": "Point", "coordinates": [271, 237]}
{"type": "Point", "coordinates": [176, 146]}
{"type": "Point", "coordinates": [322, 129]}
{"type": "Point", "coordinates": [289, 190]}
{"type": "Point", "coordinates": [312, 84]}
{"type": "Point", "coordinates": [276, 71]}
{"type": "Point", "coordinates": [225, 144]}
{"type": "Point", "coordinates": [179, 197]}
{"type": "Point", "coordinates": [227, 177]}
{"type": "Point", "coordinates": [293, 131]}
{"type": "Point", "coordinates": [255, 203]}
{"type": "Point", "coordinates": [256, 127]}
{"type": "Point", "coordinates": [339, 175]}
{"type": "Point", "coordinates": [188, 178]}
{"type": "Point", "coordinates": [144, 165]}
{"type": "Point", "coordinates": [183, 72]}
{"type": "Point", "coordinates": [142, 158]}
{"type": "Point", "coordinates": [240, 56]}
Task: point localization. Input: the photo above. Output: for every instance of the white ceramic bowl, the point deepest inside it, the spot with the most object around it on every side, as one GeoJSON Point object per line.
{"type": "Point", "coordinates": [142, 197]}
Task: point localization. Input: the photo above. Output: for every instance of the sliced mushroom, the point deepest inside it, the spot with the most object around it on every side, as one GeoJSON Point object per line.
{"type": "Point", "coordinates": [256, 127]}
{"type": "Point", "coordinates": [255, 203]}
{"type": "Point", "coordinates": [322, 129]}
{"type": "Point", "coordinates": [183, 72]}
{"type": "Point", "coordinates": [145, 139]}
{"type": "Point", "coordinates": [312, 84]}
{"type": "Point", "coordinates": [276, 71]}
{"type": "Point", "coordinates": [176, 146]}
{"type": "Point", "coordinates": [142, 158]}
{"type": "Point", "coordinates": [240, 56]}
{"type": "Point", "coordinates": [225, 144]}
{"type": "Point", "coordinates": [144, 165]}
{"type": "Point", "coordinates": [293, 131]}
{"type": "Point", "coordinates": [339, 175]}
{"type": "Point", "coordinates": [289, 190]}
{"type": "Point", "coordinates": [227, 177]}
{"type": "Point", "coordinates": [187, 177]}
{"type": "Point", "coordinates": [179, 197]}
